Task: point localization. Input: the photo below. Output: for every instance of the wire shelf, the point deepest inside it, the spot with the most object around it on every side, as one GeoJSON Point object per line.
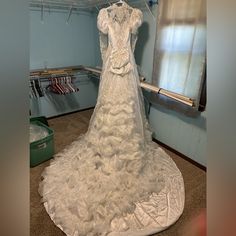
{"type": "Point", "coordinates": [79, 5]}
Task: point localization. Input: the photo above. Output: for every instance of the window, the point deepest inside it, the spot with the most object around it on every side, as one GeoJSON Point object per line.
{"type": "Point", "coordinates": [180, 48]}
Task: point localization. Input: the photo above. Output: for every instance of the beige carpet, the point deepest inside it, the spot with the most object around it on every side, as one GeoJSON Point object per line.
{"type": "Point", "coordinates": [66, 129]}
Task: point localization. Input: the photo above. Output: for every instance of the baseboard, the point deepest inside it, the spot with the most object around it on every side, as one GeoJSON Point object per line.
{"type": "Point", "coordinates": [180, 154]}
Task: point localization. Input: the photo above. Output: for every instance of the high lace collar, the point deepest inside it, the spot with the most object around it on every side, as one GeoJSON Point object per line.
{"type": "Point", "coordinates": [120, 4]}
{"type": "Point", "coordinates": [120, 13]}
{"type": "Point", "coordinates": [116, 6]}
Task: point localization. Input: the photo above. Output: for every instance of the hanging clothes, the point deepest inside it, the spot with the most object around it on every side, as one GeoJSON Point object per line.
{"type": "Point", "coordinates": [36, 90]}
{"type": "Point", "coordinates": [33, 89]}
{"type": "Point", "coordinates": [62, 85]}
{"type": "Point", "coordinates": [39, 88]}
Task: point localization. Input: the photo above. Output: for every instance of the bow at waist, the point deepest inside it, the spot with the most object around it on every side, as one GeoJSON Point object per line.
{"type": "Point", "coordinates": [120, 61]}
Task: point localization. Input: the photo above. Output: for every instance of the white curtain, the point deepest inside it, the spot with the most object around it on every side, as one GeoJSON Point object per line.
{"type": "Point", "coordinates": [180, 48]}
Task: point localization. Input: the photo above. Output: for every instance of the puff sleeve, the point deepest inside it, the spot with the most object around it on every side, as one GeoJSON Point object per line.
{"type": "Point", "coordinates": [102, 21]}
{"type": "Point", "coordinates": [136, 20]}
{"type": "Point", "coordinates": [102, 24]}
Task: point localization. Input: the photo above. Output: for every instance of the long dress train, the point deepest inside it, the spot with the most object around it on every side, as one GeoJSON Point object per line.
{"type": "Point", "coordinates": [113, 180]}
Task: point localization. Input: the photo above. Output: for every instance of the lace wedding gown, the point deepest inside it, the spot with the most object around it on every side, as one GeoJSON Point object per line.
{"type": "Point", "coordinates": [113, 180]}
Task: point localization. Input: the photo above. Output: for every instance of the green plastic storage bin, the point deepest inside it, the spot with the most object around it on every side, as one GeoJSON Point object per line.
{"type": "Point", "coordinates": [43, 149]}
{"type": "Point", "coordinates": [42, 119]}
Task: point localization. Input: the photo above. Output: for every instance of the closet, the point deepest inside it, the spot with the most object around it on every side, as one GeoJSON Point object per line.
{"type": "Point", "coordinates": [68, 41]}
{"type": "Point", "coordinates": [62, 37]}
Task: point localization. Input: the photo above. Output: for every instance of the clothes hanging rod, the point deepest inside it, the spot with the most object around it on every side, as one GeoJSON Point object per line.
{"type": "Point", "coordinates": [57, 70]}
{"type": "Point", "coordinates": [48, 78]}
{"type": "Point", "coordinates": [50, 72]}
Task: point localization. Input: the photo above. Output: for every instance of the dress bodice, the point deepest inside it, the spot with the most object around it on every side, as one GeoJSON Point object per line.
{"type": "Point", "coordinates": [118, 33]}
{"type": "Point", "coordinates": [119, 22]}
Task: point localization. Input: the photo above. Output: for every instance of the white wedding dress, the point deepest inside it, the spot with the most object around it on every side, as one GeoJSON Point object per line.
{"type": "Point", "coordinates": [114, 180]}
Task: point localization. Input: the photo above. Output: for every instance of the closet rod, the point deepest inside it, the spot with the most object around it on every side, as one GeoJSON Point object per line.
{"type": "Point", "coordinates": [57, 72]}
{"type": "Point", "coordinates": [47, 78]}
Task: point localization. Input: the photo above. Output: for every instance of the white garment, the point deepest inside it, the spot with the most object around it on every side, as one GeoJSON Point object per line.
{"type": "Point", "coordinates": [113, 180]}
{"type": "Point", "coordinates": [37, 133]}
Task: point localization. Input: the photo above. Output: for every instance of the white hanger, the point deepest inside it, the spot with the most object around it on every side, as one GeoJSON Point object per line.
{"type": "Point", "coordinates": [119, 2]}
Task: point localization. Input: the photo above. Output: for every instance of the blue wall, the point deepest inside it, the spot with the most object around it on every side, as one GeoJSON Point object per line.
{"type": "Point", "coordinates": [56, 43]}
{"type": "Point", "coordinates": [184, 134]}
